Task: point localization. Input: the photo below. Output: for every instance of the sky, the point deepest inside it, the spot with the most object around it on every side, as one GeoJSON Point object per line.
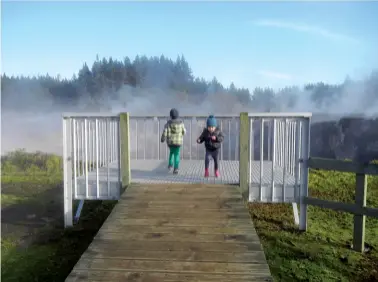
{"type": "Point", "coordinates": [266, 44]}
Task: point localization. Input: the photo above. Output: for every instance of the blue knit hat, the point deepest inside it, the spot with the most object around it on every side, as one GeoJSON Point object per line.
{"type": "Point", "coordinates": [211, 121]}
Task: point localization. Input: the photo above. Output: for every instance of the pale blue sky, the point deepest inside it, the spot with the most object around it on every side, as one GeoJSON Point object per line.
{"type": "Point", "coordinates": [250, 43]}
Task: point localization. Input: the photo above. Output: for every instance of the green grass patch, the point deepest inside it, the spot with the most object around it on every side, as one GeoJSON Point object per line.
{"type": "Point", "coordinates": [34, 244]}
{"type": "Point", "coordinates": [322, 253]}
{"type": "Point", "coordinates": [55, 251]}
{"type": "Point", "coordinates": [8, 200]}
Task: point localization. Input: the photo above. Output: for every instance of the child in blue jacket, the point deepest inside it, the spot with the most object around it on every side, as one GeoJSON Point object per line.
{"type": "Point", "coordinates": [213, 137]}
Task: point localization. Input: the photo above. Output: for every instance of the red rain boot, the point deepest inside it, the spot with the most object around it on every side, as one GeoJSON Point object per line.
{"type": "Point", "coordinates": [206, 172]}
{"type": "Point", "coordinates": [217, 173]}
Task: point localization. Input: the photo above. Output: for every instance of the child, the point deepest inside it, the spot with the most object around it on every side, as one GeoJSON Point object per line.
{"type": "Point", "coordinates": [213, 137]}
{"type": "Point", "coordinates": [173, 133]}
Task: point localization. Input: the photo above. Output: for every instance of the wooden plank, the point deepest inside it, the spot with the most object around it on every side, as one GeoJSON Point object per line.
{"type": "Point", "coordinates": [184, 216]}
{"type": "Point", "coordinates": [165, 236]}
{"type": "Point", "coordinates": [343, 166]}
{"type": "Point", "coordinates": [178, 246]}
{"type": "Point", "coordinates": [171, 266]}
{"type": "Point", "coordinates": [182, 186]}
{"type": "Point", "coordinates": [149, 276]}
{"type": "Point", "coordinates": [199, 192]}
{"type": "Point", "coordinates": [181, 197]}
{"type": "Point", "coordinates": [220, 204]}
{"type": "Point", "coordinates": [124, 134]}
{"type": "Point", "coordinates": [245, 257]}
{"type": "Point", "coordinates": [181, 200]}
{"type": "Point", "coordinates": [338, 206]}
{"type": "Point", "coordinates": [109, 226]}
{"type": "Point", "coordinates": [155, 213]}
{"type": "Point", "coordinates": [174, 197]}
{"type": "Point", "coordinates": [176, 188]}
{"type": "Point", "coordinates": [359, 220]}
{"type": "Point", "coordinates": [187, 209]}
{"type": "Point", "coordinates": [179, 221]}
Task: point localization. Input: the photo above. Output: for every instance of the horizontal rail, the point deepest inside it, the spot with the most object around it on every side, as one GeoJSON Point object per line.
{"type": "Point", "coordinates": [265, 115]}
{"type": "Point", "coordinates": [89, 115]}
{"type": "Point", "coordinates": [281, 115]}
{"type": "Point", "coordinates": [101, 198]}
{"type": "Point", "coordinates": [182, 116]}
{"type": "Point", "coordinates": [99, 115]}
{"type": "Point", "coordinates": [359, 208]}
{"type": "Point", "coordinates": [338, 206]}
{"type": "Point", "coordinates": [343, 166]}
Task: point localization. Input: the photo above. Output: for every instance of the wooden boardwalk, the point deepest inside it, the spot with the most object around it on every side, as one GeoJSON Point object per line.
{"type": "Point", "coordinates": [175, 232]}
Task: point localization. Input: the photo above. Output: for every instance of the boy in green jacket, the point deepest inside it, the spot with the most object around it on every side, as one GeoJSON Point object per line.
{"type": "Point", "coordinates": [174, 131]}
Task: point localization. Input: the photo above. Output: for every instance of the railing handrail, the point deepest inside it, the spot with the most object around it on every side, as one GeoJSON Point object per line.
{"type": "Point", "coordinates": [267, 115]}
{"type": "Point", "coordinates": [358, 208]}
{"type": "Point", "coordinates": [95, 114]}
{"type": "Point", "coordinates": [89, 115]}
{"type": "Point", "coordinates": [282, 115]}
{"type": "Point", "coordinates": [185, 116]}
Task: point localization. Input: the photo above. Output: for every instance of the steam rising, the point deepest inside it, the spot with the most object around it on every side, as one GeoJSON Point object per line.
{"type": "Point", "coordinates": [31, 119]}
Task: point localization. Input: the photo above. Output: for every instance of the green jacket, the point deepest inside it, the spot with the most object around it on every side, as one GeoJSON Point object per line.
{"type": "Point", "coordinates": [174, 131]}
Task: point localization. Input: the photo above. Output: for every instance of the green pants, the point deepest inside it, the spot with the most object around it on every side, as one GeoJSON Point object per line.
{"type": "Point", "coordinates": [174, 157]}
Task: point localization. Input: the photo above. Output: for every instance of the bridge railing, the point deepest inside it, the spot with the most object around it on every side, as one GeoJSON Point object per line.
{"type": "Point", "coordinates": [90, 144]}
{"type": "Point", "coordinates": [145, 133]}
{"type": "Point", "coordinates": [358, 208]}
{"type": "Point", "coordinates": [272, 146]}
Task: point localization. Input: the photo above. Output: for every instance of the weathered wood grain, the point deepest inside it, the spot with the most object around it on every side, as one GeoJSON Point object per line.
{"type": "Point", "coordinates": [178, 230]}
{"type": "Point", "coordinates": [203, 205]}
{"type": "Point", "coordinates": [171, 266]}
{"type": "Point", "coordinates": [178, 246]}
{"type": "Point", "coordinates": [177, 221]}
{"type": "Point", "coordinates": [175, 233]}
{"type": "Point", "coordinates": [149, 276]}
{"type": "Point", "coordinates": [243, 257]}
{"type": "Point", "coordinates": [193, 213]}
{"type": "Point", "coordinates": [178, 188]}
{"type": "Point", "coordinates": [156, 237]}
{"type": "Point", "coordinates": [178, 197]}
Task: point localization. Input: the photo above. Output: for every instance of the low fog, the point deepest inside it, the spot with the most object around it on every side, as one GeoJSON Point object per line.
{"type": "Point", "coordinates": [31, 118]}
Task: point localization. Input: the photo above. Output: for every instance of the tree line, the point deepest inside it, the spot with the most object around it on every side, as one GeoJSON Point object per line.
{"type": "Point", "coordinates": [107, 76]}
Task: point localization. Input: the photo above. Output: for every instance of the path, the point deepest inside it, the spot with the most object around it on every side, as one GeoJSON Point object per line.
{"type": "Point", "coordinates": [176, 232]}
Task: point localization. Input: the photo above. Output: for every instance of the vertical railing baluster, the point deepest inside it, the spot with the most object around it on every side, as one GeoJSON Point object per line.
{"type": "Point", "coordinates": [261, 156]}
{"type": "Point", "coordinates": [86, 157]}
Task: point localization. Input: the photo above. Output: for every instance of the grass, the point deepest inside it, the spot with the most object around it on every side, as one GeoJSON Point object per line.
{"type": "Point", "coordinates": [54, 252]}
{"type": "Point", "coordinates": [34, 244]}
{"type": "Point", "coordinates": [8, 200]}
{"type": "Point", "coordinates": [322, 253]}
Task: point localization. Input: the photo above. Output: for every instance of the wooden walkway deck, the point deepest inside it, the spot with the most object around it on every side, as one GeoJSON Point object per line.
{"type": "Point", "coordinates": [175, 232]}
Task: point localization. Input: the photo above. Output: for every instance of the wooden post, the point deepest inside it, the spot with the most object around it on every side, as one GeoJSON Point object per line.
{"type": "Point", "coordinates": [124, 127]}
{"type": "Point", "coordinates": [305, 143]}
{"type": "Point", "coordinates": [67, 177]}
{"type": "Point", "coordinates": [359, 220]}
{"type": "Point", "coordinates": [244, 161]}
